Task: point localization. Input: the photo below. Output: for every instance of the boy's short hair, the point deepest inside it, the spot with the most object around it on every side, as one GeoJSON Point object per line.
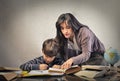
{"type": "Point", "coordinates": [50, 47]}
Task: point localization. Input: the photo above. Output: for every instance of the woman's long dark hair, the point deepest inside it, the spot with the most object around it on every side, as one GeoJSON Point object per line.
{"type": "Point", "coordinates": [73, 23]}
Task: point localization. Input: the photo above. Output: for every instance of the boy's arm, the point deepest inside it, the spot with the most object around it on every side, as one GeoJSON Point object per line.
{"type": "Point", "coordinates": [32, 64]}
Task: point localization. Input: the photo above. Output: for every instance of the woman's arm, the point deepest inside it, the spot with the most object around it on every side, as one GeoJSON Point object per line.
{"type": "Point", "coordinates": [85, 41]}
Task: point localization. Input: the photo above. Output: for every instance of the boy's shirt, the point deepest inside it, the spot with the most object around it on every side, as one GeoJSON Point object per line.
{"type": "Point", "coordinates": [34, 64]}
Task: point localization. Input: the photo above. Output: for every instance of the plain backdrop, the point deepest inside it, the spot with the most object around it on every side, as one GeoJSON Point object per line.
{"type": "Point", "coordinates": [25, 24]}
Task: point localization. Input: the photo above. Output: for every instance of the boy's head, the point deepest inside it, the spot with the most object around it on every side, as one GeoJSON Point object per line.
{"type": "Point", "coordinates": [50, 49]}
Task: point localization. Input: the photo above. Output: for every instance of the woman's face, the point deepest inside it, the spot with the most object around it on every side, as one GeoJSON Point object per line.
{"type": "Point", "coordinates": [66, 30]}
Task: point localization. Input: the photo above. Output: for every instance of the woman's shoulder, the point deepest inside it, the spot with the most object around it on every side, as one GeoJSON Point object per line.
{"type": "Point", "coordinates": [84, 30]}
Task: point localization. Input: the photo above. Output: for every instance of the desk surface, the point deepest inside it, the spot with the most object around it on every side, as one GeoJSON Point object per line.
{"type": "Point", "coordinates": [110, 76]}
{"type": "Point", "coordinates": [51, 78]}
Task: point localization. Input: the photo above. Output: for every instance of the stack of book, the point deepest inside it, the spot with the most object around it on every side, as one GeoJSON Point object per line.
{"type": "Point", "coordinates": [7, 73]}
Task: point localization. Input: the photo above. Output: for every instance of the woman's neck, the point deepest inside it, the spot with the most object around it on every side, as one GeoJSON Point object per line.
{"type": "Point", "coordinates": [71, 38]}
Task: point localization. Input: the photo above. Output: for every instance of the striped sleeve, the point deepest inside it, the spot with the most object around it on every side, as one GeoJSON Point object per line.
{"type": "Point", "coordinates": [32, 64]}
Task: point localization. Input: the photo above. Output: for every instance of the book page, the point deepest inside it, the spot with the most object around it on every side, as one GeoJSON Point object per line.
{"type": "Point", "coordinates": [57, 70]}
{"type": "Point", "coordinates": [41, 73]}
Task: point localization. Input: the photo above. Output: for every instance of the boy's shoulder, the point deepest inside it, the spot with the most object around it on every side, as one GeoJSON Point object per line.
{"type": "Point", "coordinates": [39, 58]}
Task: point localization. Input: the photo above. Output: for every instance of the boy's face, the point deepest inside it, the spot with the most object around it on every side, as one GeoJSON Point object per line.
{"type": "Point", "coordinates": [48, 59]}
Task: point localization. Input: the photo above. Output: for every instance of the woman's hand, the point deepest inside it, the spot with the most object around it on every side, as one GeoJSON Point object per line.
{"type": "Point", "coordinates": [43, 66]}
{"type": "Point", "coordinates": [67, 64]}
{"type": "Point", "coordinates": [56, 66]}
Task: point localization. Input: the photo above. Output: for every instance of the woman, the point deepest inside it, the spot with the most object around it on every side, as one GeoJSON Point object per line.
{"type": "Point", "coordinates": [78, 44]}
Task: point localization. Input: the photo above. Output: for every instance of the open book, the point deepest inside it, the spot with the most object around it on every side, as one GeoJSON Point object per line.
{"type": "Point", "coordinates": [71, 70]}
{"type": "Point", "coordinates": [39, 73]}
{"type": "Point", "coordinates": [92, 71]}
{"type": "Point", "coordinates": [51, 72]}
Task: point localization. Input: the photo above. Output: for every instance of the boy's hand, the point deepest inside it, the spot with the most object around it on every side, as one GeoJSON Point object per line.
{"type": "Point", "coordinates": [56, 66]}
{"type": "Point", "coordinates": [43, 66]}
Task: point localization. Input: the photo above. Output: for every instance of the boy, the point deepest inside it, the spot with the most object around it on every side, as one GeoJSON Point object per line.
{"type": "Point", "coordinates": [49, 49]}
